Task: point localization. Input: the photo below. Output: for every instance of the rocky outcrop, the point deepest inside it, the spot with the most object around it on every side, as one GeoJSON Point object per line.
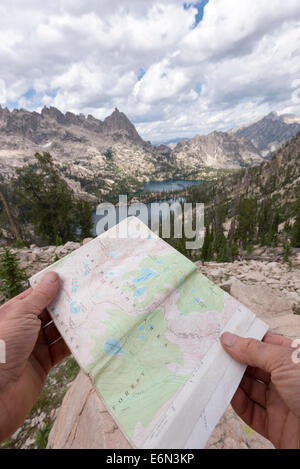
{"type": "Point", "coordinates": [119, 124]}
{"type": "Point", "coordinates": [83, 421]}
{"type": "Point", "coordinates": [270, 289]}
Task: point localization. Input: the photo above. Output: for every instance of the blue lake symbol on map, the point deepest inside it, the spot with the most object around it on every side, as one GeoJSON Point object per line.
{"type": "Point", "coordinates": [139, 292]}
{"type": "Point", "coordinates": [112, 347]}
{"type": "Point", "coordinates": [198, 300]}
{"type": "Point", "coordinates": [115, 253]}
{"type": "Point", "coordinates": [145, 275]}
{"type": "Point", "coordinates": [75, 308]}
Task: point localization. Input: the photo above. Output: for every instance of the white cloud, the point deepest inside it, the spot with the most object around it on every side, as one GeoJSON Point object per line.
{"type": "Point", "coordinates": [85, 56]}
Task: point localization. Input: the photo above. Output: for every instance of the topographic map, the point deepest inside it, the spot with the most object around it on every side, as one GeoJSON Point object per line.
{"type": "Point", "coordinates": [145, 326]}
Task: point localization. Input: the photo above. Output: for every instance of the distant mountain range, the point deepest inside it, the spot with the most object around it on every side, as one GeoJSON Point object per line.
{"type": "Point", "coordinates": [217, 150]}
{"type": "Point", "coordinates": [275, 182]}
{"type": "Point", "coordinates": [266, 134]}
{"type": "Point", "coordinates": [80, 147]}
{"type": "Point", "coordinates": [172, 143]}
{"type": "Point", "coordinates": [269, 133]}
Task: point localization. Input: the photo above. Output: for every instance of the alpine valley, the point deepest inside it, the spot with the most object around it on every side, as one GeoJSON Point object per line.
{"type": "Point", "coordinates": [104, 158]}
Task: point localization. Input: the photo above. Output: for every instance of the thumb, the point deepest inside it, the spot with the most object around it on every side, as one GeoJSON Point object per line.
{"type": "Point", "coordinates": [43, 294]}
{"type": "Point", "coordinates": [254, 353]}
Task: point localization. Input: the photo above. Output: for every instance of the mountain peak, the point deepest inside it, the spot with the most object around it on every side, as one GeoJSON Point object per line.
{"type": "Point", "coordinates": [273, 116]}
{"type": "Point", "coordinates": [119, 123]}
{"type": "Point", "coordinates": [270, 132]}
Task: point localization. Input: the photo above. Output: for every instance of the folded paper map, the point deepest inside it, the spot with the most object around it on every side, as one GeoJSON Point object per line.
{"type": "Point", "coordinates": [145, 326]}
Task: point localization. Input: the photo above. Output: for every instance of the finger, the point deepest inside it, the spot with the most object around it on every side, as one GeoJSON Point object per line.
{"type": "Point", "coordinates": [59, 350]}
{"type": "Point", "coordinates": [42, 295]}
{"type": "Point", "coordinates": [258, 374]}
{"type": "Point", "coordinates": [253, 414]}
{"type": "Point", "coordinates": [255, 353]}
{"type": "Point", "coordinates": [254, 389]}
{"type": "Point", "coordinates": [51, 333]}
{"type": "Point", "coordinates": [276, 339]}
{"type": "Point", "coordinates": [21, 296]}
{"type": "Point", "coordinates": [45, 318]}
{"type": "Point", "coordinates": [24, 294]}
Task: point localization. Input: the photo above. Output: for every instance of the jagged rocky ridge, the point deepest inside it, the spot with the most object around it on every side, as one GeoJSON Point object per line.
{"type": "Point", "coordinates": [79, 144]}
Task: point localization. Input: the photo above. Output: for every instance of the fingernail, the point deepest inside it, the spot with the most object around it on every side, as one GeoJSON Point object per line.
{"type": "Point", "coordinates": [228, 339]}
{"type": "Point", "coordinates": [50, 277]}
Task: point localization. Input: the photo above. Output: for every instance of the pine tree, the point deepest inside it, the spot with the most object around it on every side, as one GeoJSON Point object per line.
{"type": "Point", "coordinates": [263, 222]}
{"type": "Point", "coordinates": [234, 251]}
{"type": "Point", "coordinates": [206, 251]}
{"type": "Point", "coordinates": [246, 230]}
{"type": "Point", "coordinates": [10, 217]}
{"type": "Point", "coordinates": [224, 253]}
{"type": "Point", "coordinates": [12, 277]}
{"type": "Point", "coordinates": [50, 204]}
{"type": "Point", "coordinates": [84, 216]}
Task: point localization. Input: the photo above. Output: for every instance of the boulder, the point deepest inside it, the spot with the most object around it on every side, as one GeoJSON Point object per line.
{"type": "Point", "coordinates": [83, 422]}
{"type": "Point", "coordinates": [50, 249]}
{"type": "Point", "coordinates": [255, 276]}
{"type": "Point", "coordinates": [275, 308]}
{"type": "Point", "coordinates": [71, 246]}
{"type": "Point", "coordinates": [60, 251]}
{"type": "Point", "coordinates": [226, 287]}
{"type": "Point", "coordinates": [261, 299]}
{"type": "Point", "coordinates": [86, 240]}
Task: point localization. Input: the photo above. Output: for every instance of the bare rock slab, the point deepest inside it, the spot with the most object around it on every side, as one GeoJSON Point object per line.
{"type": "Point", "coordinates": [83, 422]}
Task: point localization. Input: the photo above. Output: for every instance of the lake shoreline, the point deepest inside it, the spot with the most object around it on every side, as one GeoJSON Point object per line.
{"type": "Point", "coordinates": [147, 197]}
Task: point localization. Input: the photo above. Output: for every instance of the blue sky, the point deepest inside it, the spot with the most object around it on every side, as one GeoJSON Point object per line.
{"type": "Point", "coordinates": [200, 10]}
{"type": "Point", "coordinates": [176, 68]}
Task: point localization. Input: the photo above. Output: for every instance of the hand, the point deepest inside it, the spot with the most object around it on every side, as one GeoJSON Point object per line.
{"type": "Point", "coordinates": [268, 398]}
{"type": "Point", "coordinates": [33, 347]}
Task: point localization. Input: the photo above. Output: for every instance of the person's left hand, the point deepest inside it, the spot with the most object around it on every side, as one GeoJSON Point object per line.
{"type": "Point", "coordinates": [33, 347]}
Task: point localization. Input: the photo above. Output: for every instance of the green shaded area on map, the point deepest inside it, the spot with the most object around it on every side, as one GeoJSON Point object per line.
{"type": "Point", "coordinates": [198, 294]}
{"type": "Point", "coordinates": [135, 367]}
{"type": "Point", "coordinates": [133, 375]}
{"type": "Point", "coordinates": [157, 275]}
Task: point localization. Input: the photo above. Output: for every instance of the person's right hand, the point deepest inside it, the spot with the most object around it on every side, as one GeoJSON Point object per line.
{"type": "Point", "coordinates": [268, 398]}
